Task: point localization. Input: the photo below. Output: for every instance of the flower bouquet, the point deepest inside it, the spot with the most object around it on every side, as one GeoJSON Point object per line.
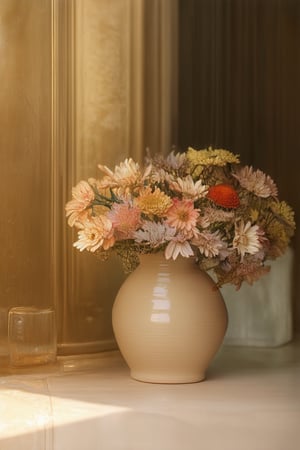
{"type": "Point", "coordinates": [200, 203]}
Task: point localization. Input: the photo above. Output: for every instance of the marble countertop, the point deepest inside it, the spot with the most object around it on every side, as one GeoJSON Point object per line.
{"type": "Point", "coordinates": [249, 401]}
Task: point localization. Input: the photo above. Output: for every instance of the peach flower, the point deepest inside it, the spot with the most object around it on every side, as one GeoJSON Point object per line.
{"type": "Point", "coordinates": [95, 233]}
{"type": "Point", "coordinates": [183, 216]}
{"type": "Point", "coordinates": [83, 195]}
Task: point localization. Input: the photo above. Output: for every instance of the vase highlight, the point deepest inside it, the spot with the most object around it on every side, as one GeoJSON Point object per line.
{"type": "Point", "coordinates": [169, 320]}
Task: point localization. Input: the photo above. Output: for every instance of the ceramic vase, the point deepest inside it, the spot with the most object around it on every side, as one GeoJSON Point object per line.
{"type": "Point", "coordinates": [169, 320]}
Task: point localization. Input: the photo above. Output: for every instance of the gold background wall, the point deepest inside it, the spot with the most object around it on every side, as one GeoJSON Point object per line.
{"type": "Point", "coordinates": [25, 152]}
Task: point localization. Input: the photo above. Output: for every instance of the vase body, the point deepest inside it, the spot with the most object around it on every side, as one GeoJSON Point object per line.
{"type": "Point", "coordinates": [169, 320]}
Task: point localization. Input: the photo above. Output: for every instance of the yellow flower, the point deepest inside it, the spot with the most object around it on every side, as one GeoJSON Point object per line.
{"type": "Point", "coordinates": [254, 214]}
{"type": "Point", "coordinates": [278, 237]}
{"type": "Point", "coordinates": [284, 211]}
{"type": "Point", "coordinates": [211, 157]}
{"type": "Point", "coordinates": [153, 203]}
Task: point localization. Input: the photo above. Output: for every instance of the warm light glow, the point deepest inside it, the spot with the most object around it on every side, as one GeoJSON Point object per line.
{"type": "Point", "coordinates": [29, 412]}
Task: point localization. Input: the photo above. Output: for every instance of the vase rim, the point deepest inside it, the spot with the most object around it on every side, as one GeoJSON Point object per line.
{"type": "Point", "coordinates": [160, 255]}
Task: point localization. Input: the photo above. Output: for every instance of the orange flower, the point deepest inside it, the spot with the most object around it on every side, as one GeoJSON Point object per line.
{"type": "Point", "coordinates": [224, 195]}
{"type": "Point", "coordinates": [153, 203]}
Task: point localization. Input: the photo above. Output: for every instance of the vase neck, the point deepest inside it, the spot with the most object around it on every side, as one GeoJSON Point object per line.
{"type": "Point", "coordinates": [159, 258]}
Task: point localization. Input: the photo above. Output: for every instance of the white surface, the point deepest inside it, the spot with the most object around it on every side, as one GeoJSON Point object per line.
{"type": "Point", "coordinates": [249, 401]}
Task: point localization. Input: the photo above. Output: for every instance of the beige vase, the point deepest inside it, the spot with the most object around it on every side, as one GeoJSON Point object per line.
{"type": "Point", "coordinates": [169, 320]}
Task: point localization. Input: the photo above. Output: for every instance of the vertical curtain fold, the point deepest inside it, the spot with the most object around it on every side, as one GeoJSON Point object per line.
{"type": "Point", "coordinates": [239, 88]}
{"type": "Point", "coordinates": [160, 75]}
{"type": "Point", "coordinates": [118, 81]}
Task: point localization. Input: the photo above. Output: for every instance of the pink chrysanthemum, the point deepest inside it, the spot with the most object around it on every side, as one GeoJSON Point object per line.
{"type": "Point", "coordinates": [183, 216]}
{"type": "Point", "coordinates": [257, 182]}
{"type": "Point", "coordinates": [125, 219]}
{"type": "Point", "coordinates": [209, 244]}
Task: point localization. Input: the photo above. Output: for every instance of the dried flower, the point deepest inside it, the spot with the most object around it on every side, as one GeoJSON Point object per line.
{"type": "Point", "coordinates": [154, 234]}
{"type": "Point", "coordinates": [125, 219]}
{"type": "Point", "coordinates": [183, 216]}
{"type": "Point", "coordinates": [125, 175]}
{"type": "Point", "coordinates": [246, 238]}
{"type": "Point", "coordinates": [209, 244]}
{"type": "Point", "coordinates": [283, 212]}
{"type": "Point", "coordinates": [217, 215]}
{"type": "Point", "coordinates": [189, 188]}
{"type": "Point", "coordinates": [256, 181]}
{"type": "Point", "coordinates": [178, 246]}
{"type": "Point", "coordinates": [95, 233]}
{"type": "Point", "coordinates": [153, 202]}
{"type": "Point", "coordinates": [224, 195]}
{"type": "Point", "coordinates": [200, 203]}
{"type": "Point", "coordinates": [83, 195]}
{"type": "Point", "coordinates": [175, 160]}
{"type": "Point", "coordinates": [211, 157]}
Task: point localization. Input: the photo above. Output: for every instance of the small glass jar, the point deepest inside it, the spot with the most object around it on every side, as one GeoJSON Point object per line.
{"type": "Point", "coordinates": [31, 336]}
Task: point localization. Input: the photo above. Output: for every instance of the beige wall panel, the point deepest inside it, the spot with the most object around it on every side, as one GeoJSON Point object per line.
{"type": "Point", "coordinates": [107, 49]}
{"type": "Point", "coordinates": [101, 124]}
{"type": "Point", "coordinates": [25, 152]}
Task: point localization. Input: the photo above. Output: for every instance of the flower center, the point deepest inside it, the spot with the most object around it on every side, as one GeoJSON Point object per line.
{"type": "Point", "coordinates": [183, 216]}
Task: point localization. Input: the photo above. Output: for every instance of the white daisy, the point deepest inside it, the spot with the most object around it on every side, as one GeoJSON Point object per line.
{"type": "Point", "coordinates": [246, 238]}
{"type": "Point", "coordinates": [189, 188]}
{"type": "Point", "coordinates": [178, 246]}
{"type": "Point", "coordinates": [175, 161]}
